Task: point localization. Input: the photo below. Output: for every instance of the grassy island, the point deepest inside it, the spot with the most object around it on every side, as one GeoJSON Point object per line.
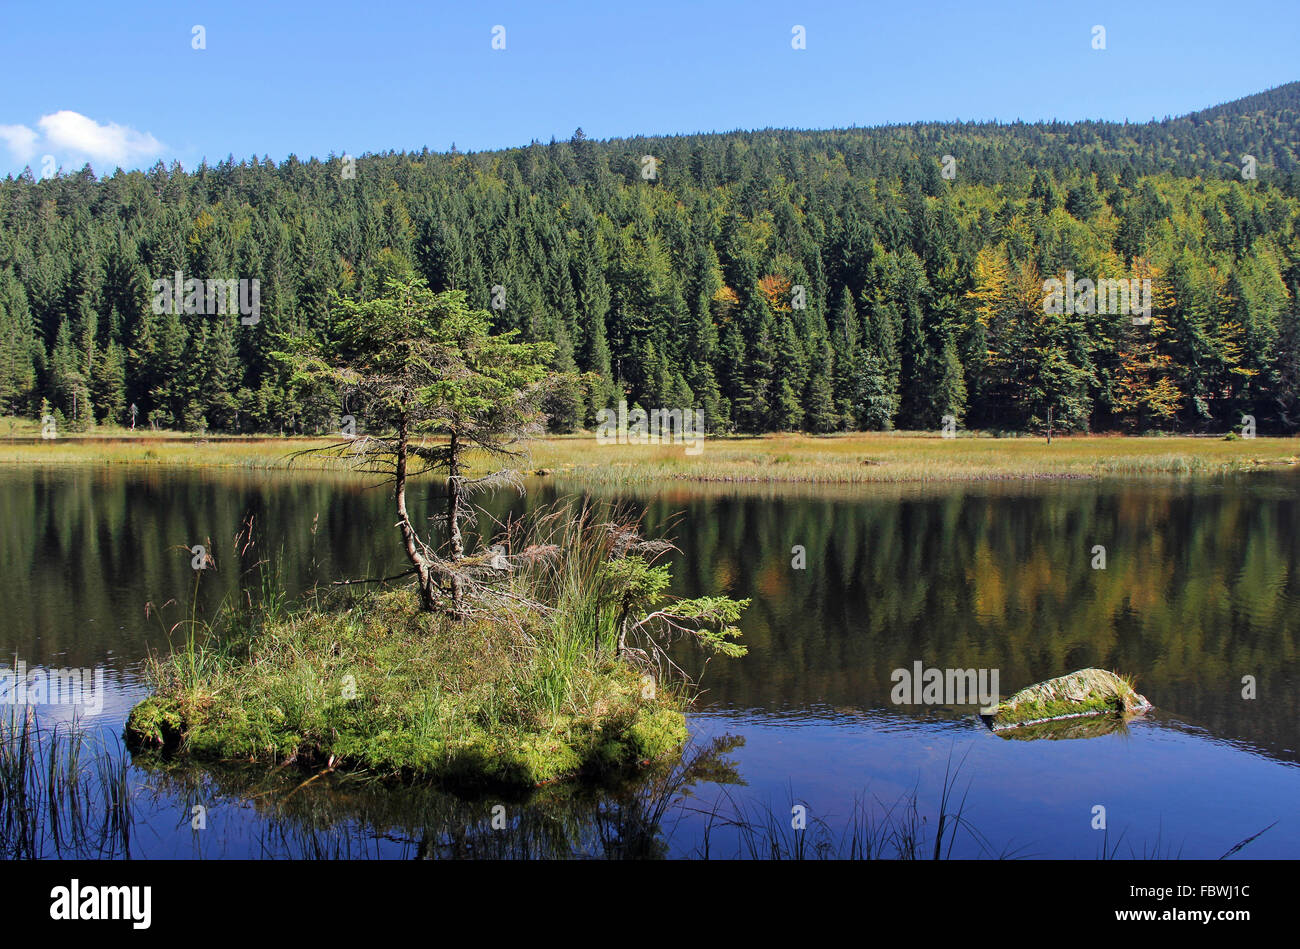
{"type": "Point", "coordinates": [537, 653]}
{"type": "Point", "coordinates": [389, 688]}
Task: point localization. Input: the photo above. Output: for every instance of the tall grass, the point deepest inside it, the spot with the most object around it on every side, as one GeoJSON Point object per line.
{"type": "Point", "coordinates": [202, 650]}
{"type": "Point", "coordinates": [64, 793]}
{"type": "Point", "coordinates": [560, 561]}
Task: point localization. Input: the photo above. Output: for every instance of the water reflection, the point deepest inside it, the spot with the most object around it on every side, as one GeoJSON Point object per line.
{"type": "Point", "coordinates": [1200, 589]}
{"type": "Point", "coordinates": [329, 815]}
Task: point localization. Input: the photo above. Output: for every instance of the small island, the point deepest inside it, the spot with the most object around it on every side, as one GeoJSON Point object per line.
{"type": "Point", "coordinates": [539, 655]}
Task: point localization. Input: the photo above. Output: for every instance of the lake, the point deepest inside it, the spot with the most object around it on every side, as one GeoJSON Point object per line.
{"type": "Point", "coordinates": [1198, 590]}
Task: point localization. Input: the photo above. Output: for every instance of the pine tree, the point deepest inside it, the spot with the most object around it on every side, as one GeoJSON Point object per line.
{"type": "Point", "coordinates": [434, 384]}
{"type": "Point", "coordinates": [821, 416]}
{"type": "Point", "coordinates": [221, 377]}
{"type": "Point", "coordinates": [950, 395]}
{"type": "Point", "coordinates": [108, 384]}
{"type": "Point", "coordinates": [565, 404]}
{"type": "Point", "coordinates": [18, 348]}
{"type": "Point", "coordinates": [1285, 370]}
{"type": "Point", "coordinates": [789, 379]}
{"type": "Point", "coordinates": [845, 344]}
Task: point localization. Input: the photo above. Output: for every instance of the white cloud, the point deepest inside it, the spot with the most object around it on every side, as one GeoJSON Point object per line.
{"type": "Point", "coordinates": [73, 138]}
{"type": "Point", "coordinates": [110, 142]}
{"type": "Point", "coordinates": [20, 140]}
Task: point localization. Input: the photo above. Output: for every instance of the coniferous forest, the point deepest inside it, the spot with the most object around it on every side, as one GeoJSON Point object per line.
{"type": "Point", "coordinates": [778, 280]}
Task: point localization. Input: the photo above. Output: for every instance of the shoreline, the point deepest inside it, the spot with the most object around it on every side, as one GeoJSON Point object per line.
{"type": "Point", "coordinates": [843, 459]}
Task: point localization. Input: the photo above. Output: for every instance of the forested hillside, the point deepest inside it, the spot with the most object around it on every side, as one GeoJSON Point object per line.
{"type": "Point", "coordinates": [777, 280]}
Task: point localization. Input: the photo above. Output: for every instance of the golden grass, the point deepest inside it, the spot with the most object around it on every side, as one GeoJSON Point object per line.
{"type": "Point", "coordinates": [859, 458]}
{"type": "Point", "coordinates": [913, 457]}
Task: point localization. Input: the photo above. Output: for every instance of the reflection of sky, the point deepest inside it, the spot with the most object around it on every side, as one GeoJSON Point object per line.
{"type": "Point", "coordinates": [120, 694]}
{"type": "Point", "coordinates": [1183, 779]}
{"type": "Point", "coordinates": [1160, 785]}
{"type": "Point", "coordinates": [1171, 790]}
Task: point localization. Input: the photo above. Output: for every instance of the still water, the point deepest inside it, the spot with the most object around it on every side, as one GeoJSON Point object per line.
{"type": "Point", "coordinates": [1199, 590]}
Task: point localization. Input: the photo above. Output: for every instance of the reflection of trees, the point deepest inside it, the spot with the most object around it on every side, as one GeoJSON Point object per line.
{"type": "Point", "coordinates": [338, 816]}
{"type": "Point", "coordinates": [1201, 585]}
{"type": "Point", "coordinates": [1200, 588]}
{"type": "Point", "coordinates": [85, 549]}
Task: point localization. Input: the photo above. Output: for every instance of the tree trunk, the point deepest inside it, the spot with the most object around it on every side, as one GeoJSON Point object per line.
{"type": "Point", "coordinates": [409, 539]}
{"type": "Point", "coordinates": [457, 546]}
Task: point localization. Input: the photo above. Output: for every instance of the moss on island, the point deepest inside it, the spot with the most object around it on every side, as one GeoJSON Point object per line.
{"type": "Point", "coordinates": [527, 661]}
{"type": "Point", "coordinates": [395, 690]}
{"type": "Point", "coordinates": [1088, 692]}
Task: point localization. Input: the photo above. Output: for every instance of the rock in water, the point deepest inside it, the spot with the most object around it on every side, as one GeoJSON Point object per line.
{"type": "Point", "coordinates": [1086, 692]}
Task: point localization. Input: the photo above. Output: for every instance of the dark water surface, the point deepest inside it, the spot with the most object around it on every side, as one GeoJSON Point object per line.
{"type": "Point", "coordinates": [1200, 589]}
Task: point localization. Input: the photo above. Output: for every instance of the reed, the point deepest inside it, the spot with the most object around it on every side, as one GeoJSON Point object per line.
{"type": "Point", "coordinates": [64, 792]}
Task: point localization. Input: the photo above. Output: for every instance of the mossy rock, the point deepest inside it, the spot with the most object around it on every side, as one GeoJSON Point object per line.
{"type": "Point", "coordinates": [155, 723]}
{"type": "Point", "coordinates": [1086, 693]}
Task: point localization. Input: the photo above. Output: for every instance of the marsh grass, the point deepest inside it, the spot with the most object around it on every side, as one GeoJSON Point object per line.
{"type": "Point", "coordinates": [857, 458]}
{"type": "Point", "coordinates": [64, 792]}
{"type": "Point", "coordinates": [908, 457]}
{"type": "Point", "coordinates": [1160, 849]}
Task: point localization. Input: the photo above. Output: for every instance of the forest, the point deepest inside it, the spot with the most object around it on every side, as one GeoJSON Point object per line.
{"type": "Point", "coordinates": [775, 280]}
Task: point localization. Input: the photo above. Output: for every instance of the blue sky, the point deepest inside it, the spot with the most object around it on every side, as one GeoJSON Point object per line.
{"type": "Point", "coordinates": [121, 84]}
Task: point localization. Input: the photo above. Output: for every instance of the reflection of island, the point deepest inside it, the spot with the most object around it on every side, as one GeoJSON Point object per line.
{"type": "Point", "coordinates": [344, 817]}
{"type": "Point", "coordinates": [1084, 726]}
